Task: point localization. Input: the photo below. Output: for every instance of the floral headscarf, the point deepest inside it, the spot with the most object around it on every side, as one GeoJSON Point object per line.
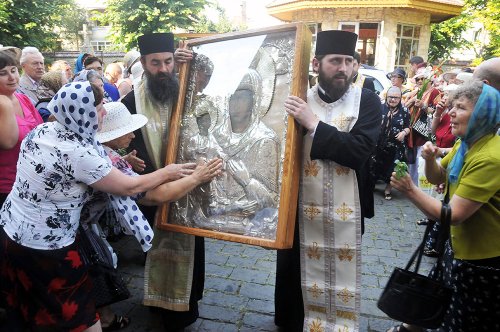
{"type": "Point", "coordinates": [484, 120]}
{"type": "Point", "coordinates": [73, 107]}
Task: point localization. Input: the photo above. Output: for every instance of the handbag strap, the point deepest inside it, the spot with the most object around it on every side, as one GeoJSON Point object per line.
{"type": "Point", "coordinates": [444, 233]}
{"type": "Point", "coordinates": [445, 219]}
{"type": "Point", "coordinates": [420, 250]}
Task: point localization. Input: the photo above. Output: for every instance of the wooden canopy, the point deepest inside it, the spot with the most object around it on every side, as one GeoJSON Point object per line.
{"type": "Point", "coordinates": [440, 10]}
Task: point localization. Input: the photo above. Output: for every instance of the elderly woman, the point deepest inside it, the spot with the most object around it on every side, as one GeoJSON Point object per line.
{"type": "Point", "coordinates": [50, 83]}
{"type": "Point", "coordinates": [391, 144]}
{"type": "Point", "coordinates": [17, 118]}
{"type": "Point", "coordinates": [472, 256]}
{"type": "Point", "coordinates": [60, 164]}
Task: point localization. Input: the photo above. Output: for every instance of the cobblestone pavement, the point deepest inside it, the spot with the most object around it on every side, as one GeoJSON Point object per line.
{"type": "Point", "coordinates": [239, 284]}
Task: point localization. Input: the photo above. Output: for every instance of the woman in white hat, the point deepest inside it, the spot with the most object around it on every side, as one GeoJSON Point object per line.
{"type": "Point", "coordinates": [117, 133]}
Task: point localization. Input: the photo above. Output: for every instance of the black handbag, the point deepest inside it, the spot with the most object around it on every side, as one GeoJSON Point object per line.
{"type": "Point", "coordinates": [109, 286]}
{"type": "Point", "coordinates": [416, 299]}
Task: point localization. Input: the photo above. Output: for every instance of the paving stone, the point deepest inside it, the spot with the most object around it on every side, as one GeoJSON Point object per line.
{"type": "Point", "coordinates": [216, 258]}
{"type": "Point", "coordinates": [222, 285]}
{"type": "Point", "coordinates": [380, 324]}
{"type": "Point", "coordinates": [383, 244]}
{"type": "Point", "coordinates": [218, 270]}
{"type": "Point", "coordinates": [215, 326]}
{"type": "Point", "coordinates": [369, 258]}
{"type": "Point", "coordinates": [259, 321]}
{"type": "Point", "coordinates": [224, 300]}
{"type": "Point", "coordinates": [376, 269]}
{"type": "Point", "coordinates": [256, 291]}
{"type": "Point", "coordinates": [244, 274]}
{"type": "Point", "coordinates": [368, 280]}
{"type": "Point", "coordinates": [369, 308]}
{"type": "Point", "coordinates": [220, 314]}
{"type": "Point", "coordinates": [382, 252]}
{"type": "Point", "coordinates": [242, 262]}
{"type": "Point", "coordinates": [371, 293]}
{"type": "Point", "coordinates": [262, 306]}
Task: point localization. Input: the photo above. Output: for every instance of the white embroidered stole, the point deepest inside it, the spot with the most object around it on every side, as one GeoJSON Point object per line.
{"type": "Point", "coordinates": [330, 227]}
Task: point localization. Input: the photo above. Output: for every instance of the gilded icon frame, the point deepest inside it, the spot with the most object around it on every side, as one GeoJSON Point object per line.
{"type": "Point", "coordinates": [271, 63]}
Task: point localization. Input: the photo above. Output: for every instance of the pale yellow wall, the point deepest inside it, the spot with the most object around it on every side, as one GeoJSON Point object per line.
{"type": "Point", "coordinates": [385, 56]}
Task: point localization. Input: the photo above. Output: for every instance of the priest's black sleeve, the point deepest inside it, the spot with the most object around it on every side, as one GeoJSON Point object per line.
{"type": "Point", "coordinates": [129, 102]}
{"type": "Point", "coordinates": [351, 149]}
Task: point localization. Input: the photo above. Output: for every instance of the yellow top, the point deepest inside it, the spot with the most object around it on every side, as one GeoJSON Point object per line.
{"type": "Point", "coordinates": [479, 180]}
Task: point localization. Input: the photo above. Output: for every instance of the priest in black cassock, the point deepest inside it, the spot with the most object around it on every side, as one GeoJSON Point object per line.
{"type": "Point", "coordinates": [175, 265]}
{"type": "Point", "coordinates": [318, 281]}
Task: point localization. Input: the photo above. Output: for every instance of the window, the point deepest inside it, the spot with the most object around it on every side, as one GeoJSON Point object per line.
{"type": "Point", "coordinates": [407, 44]}
{"type": "Point", "coordinates": [100, 45]}
{"type": "Point", "coordinates": [367, 39]}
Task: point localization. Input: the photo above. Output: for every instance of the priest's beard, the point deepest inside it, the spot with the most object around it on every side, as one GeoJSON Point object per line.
{"type": "Point", "coordinates": [162, 87]}
{"type": "Point", "coordinates": [334, 89]}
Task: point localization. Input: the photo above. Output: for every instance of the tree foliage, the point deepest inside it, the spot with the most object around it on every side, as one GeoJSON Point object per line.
{"type": "Point", "coordinates": [132, 18]}
{"type": "Point", "coordinates": [222, 24]}
{"type": "Point", "coordinates": [448, 35]}
{"type": "Point", "coordinates": [34, 22]}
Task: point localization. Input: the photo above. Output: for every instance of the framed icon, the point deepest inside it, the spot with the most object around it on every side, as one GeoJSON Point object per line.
{"type": "Point", "coordinates": [230, 106]}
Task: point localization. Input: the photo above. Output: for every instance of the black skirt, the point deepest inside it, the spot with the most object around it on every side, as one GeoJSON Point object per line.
{"type": "Point", "coordinates": [475, 302]}
{"type": "Point", "coordinates": [45, 289]}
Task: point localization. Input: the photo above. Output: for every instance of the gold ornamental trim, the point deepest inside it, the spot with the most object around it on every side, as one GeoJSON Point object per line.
{"type": "Point", "coordinates": [346, 253]}
{"type": "Point", "coordinates": [313, 251]}
{"type": "Point", "coordinates": [341, 170]}
{"type": "Point", "coordinates": [311, 211]}
{"type": "Point", "coordinates": [315, 291]}
{"type": "Point", "coordinates": [345, 295]}
{"type": "Point", "coordinates": [311, 168]}
{"type": "Point", "coordinates": [344, 211]}
{"type": "Point", "coordinates": [350, 315]}
{"type": "Point", "coordinates": [316, 326]}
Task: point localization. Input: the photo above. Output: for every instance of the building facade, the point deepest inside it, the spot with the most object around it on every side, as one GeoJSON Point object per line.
{"type": "Point", "coordinates": [390, 32]}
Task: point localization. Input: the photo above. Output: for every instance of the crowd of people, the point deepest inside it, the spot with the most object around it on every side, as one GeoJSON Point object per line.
{"type": "Point", "coordinates": [88, 146]}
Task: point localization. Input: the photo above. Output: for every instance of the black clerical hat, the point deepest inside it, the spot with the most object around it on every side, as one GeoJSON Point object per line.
{"type": "Point", "coordinates": [336, 42]}
{"type": "Point", "coordinates": [156, 43]}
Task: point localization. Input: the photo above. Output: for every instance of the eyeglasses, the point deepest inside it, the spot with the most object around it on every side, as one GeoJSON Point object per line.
{"type": "Point", "coordinates": [419, 79]}
{"type": "Point", "coordinates": [393, 97]}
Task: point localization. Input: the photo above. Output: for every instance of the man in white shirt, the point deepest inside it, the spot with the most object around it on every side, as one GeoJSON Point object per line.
{"type": "Point", "coordinates": [32, 62]}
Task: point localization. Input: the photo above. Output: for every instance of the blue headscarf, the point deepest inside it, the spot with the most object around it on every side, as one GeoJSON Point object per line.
{"type": "Point", "coordinates": [79, 63]}
{"type": "Point", "coordinates": [73, 107]}
{"type": "Point", "coordinates": [484, 120]}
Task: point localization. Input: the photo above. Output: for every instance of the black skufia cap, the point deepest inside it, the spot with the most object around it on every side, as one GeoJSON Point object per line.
{"type": "Point", "coordinates": [336, 42]}
{"type": "Point", "coordinates": [156, 43]}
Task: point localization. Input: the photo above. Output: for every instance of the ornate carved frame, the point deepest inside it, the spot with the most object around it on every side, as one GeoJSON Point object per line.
{"type": "Point", "coordinates": [291, 133]}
